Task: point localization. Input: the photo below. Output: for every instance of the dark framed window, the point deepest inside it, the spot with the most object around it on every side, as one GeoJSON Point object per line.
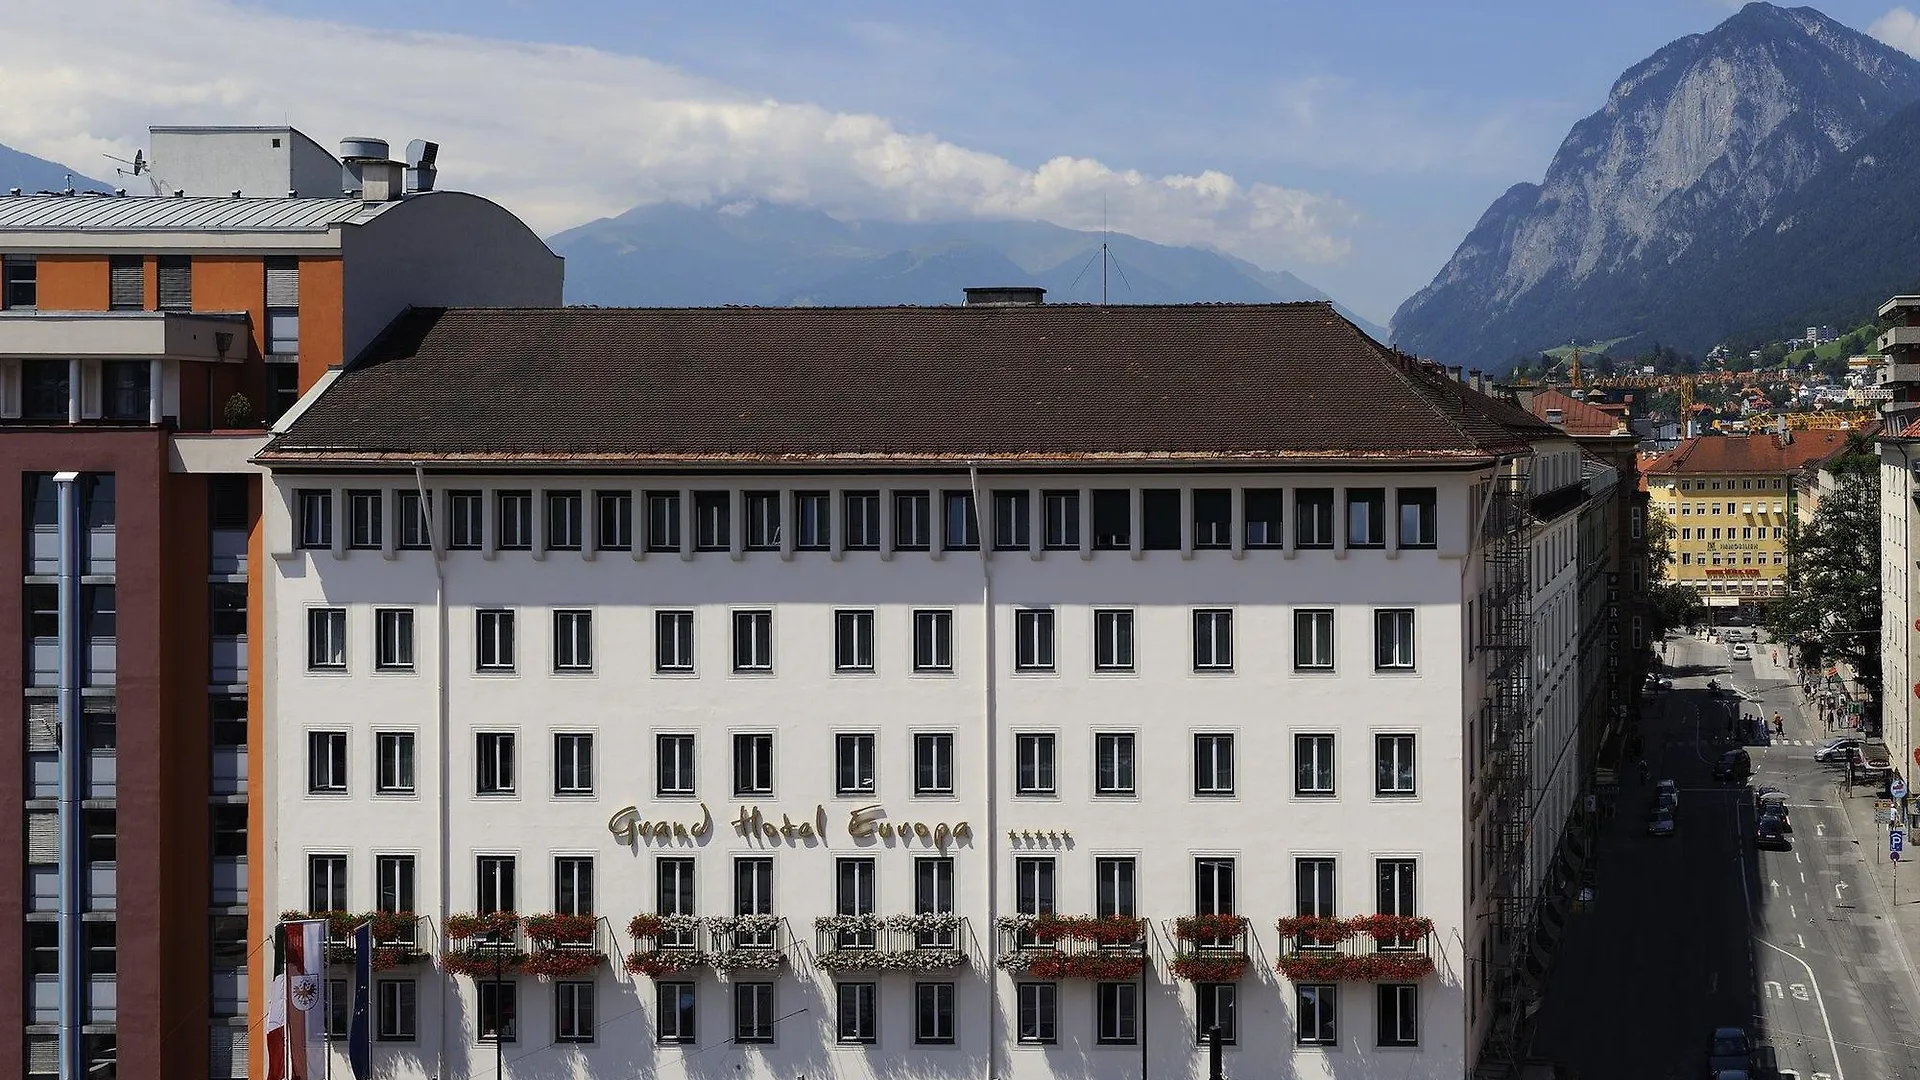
{"type": "Point", "coordinates": [1039, 1013]}
{"type": "Point", "coordinates": [394, 883]}
{"type": "Point", "coordinates": [613, 520]}
{"type": "Point", "coordinates": [499, 1010]}
{"type": "Point", "coordinates": [563, 521]}
{"type": "Point", "coordinates": [858, 1012]}
{"type": "Point", "coordinates": [316, 518]}
{"type": "Point", "coordinates": [1112, 519]}
{"type": "Point", "coordinates": [395, 772]}
{"type": "Point", "coordinates": [228, 617]}
{"type": "Point", "coordinates": [1393, 766]}
{"type": "Point", "coordinates": [1113, 769]}
{"type": "Point", "coordinates": [1012, 520]}
{"type": "Point", "coordinates": [853, 641]}
{"type": "Point", "coordinates": [673, 641]}
{"type": "Point", "coordinates": [1399, 1015]}
{"type": "Point", "coordinates": [493, 763]}
{"type": "Point", "coordinates": [753, 763]}
{"type": "Point", "coordinates": [673, 1014]}
{"type": "Point", "coordinates": [912, 525]}
{"type": "Point", "coordinates": [573, 1020]}
{"type": "Point", "coordinates": [1317, 1012]}
{"type": "Point", "coordinates": [663, 521]}
{"type": "Point", "coordinates": [327, 639]}
{"type": "Point", "coordinates": [1313, 889]}
{"type": "Point", "coordinates": [933, 641]}
{"type": "Point", "coordinates": [399, 1007]}
{"type": "Point", "coordinates": [862, 520]}
{"type": "Point", "coordinates": [1313, 517]}
{"type": "Point", "coordinates": [1160, 524]}
{"type": "Point", "coordinates": [674, 756]}
{"type": "Point", "coordinates": [1033, 885]}
{"type": "Point", "coordinates": [1033, 764]}
{"type": "Point", "coordinates": [812, 520]}
{"type": "Point", "coordinates": [414, 514]}
{"type": "Point", "coordinates": [175, 274]}
{"type": "Point", "coordinates": [763, 520]}
{"type": "Point", "coordinates": [933, 1014]}
{"type": "Point", "coordinates": [465, 530]}
{"type": "Point", "coordinates": [1264, 507]}
{"type": "Point", "coordinates": [1113, 640]}
{"type": "Point", "coordinates": [20, 283]}
{"type": "Point", "coordinates": [126, 389]}
{"type": "Point", "coordinates": [960, 521]}
{"type": "Point", "coordinates": [494, 884]}
{"type": "Point", "coordinates": [1213, 764]}
{"type": "Point", "coordinates": [363, 519]}
{"type": "Point", "coordinates": [126, 282]}
{"type": "Point", "coordinates": [573, 763]}
{"type": "Point", "coordinates": [573, 641]}
{"type": "Point", "coordinates": [1033, 639]}
{"type": "Point", "coordinates": [1213, 640]}
{"type": "Point", "coordinates": [853, 764]}
{"type": "Point", "coordinates": [752, 641]}
{"type": "Point", "coordinates": [1214, 1012]}
{"type": "Point", "coordinates": [1393, 639]}
{"type": "Point", "coordinates": [1418, 508]}
{"type": "Point", "coordinates": [1313, 765]}
{"type": "Point", "coordinates": [1115, 887]}
{"type": "Point", "coordinates": [712, 520]}
{"type": "Point", "coordinates": [513, 520]}
{"type": "Point", "coordinates": [326, 883]}
{"type": "Point", "coordinates": [1366, 517]}
{"type": "Point", "coordinates": [1212, 518]}
{"type": "Point", "coordinates": [1313, 640]}
{"type": "Point", "coordinates": [46, 390]}
{"type": "Point", "coordinates": [327, 762]}
{"type": "Point", "coordinates": [573, 885]}
{"type": "Point", "coordinates": [933, 763]}
{"type": "Point", "coordinates": [493, 640]}
{"type": "Point", "coordinates": [1061, 520]}
{"type": "Point", "coordinates": [1116, 1012]}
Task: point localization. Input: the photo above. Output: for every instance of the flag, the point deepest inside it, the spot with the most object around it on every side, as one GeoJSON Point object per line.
{"type": "Point", "coordinates": [306, 1001]}
{"type": "Point", "coordinates": [359, 1036]}
{"type": "Point", "coordinates": [277, 1008]}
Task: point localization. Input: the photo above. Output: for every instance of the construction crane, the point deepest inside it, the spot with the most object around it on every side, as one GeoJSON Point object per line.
{"type": "Point", "coordinates": [1573, 366]}
{"type": "Point", "coordinates": [1686, 398]}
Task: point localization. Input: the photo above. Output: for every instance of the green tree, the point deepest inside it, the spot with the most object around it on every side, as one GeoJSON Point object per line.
{"type": "Point", "coordinates": [1670, 605]}
{"type": "Point", "coordinates": [1831, 609]}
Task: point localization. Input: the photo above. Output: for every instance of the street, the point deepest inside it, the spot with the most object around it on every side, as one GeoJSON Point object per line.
{"type": "Point", "coordinates": [1701, 929]}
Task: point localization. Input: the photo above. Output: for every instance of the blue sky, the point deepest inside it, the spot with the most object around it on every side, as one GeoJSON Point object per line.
{"type": "Point", "coordinates": [1353, 144]}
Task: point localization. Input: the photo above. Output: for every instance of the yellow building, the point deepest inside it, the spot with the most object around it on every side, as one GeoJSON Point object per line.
{"type": "Point", "coordinates": [1729, 500]}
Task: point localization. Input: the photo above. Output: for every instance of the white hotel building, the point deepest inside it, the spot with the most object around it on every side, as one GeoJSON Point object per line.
{"type": "Point", "coordinates": [699, 624]}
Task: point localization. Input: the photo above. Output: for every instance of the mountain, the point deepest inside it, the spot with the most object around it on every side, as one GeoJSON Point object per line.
{"type": "Point", "coordinates": [31, 174]}
{"type": "Point", "coordinates": [765, 253]}
{"type": "Point", "coordinates": [1698, 148]}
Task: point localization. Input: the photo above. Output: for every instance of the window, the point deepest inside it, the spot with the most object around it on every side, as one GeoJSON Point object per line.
{"type": "Point", "coordinates": [1212, 518]}
{"type": "Point", "coordinates": [1394, 893]}
{"type": "Point", "coordinates": [753, 641]}
{"type": "Point", "coordinates": [1114, 888]}
{"type": "Point", "coordinates": [1113, 764]}
{"type": "Point", "coordinates": [763, 520]}
{"type": "Point", "coordinates": [1315, 1011]}
{"type": "Point", "coordinates": [327, 639]}
{"type": "Point", "coordinates": [316, 519]}
{"type": "Point", "coordinates": [812, 520]}
{"type": "Point", "coordinates": [1213, 764]}
{"type": "Point", "coordinates": [20, 281]}
{"type": "Point", "coordinates": [1313, 765]}
{"type": "Point", "coordinates": [1213, 892]}
{"type": "Point", "coordinates": [573, 763]}
{"type": "Point", "coordinates": [673, 641]}
{"type": "Point", "coordinates": [494, 884]}
{"type": "Point", "coordinates": [563, 521]}
{"type": "Point", "coordinates": [175, 274]}
{"type": "Point", "coordinates": [1062, 514]}
{"type": "Point", "coordinates": [1399, 1014]}
{"type": "Point", "coordinates": [1117, 1010]}
{"type": "Point", "coordinates": [1160, 525]}
{"type": "Point", "coordinates": [126, 282]}
{"type": "Point", "coordinates": [1113, 640]}
{"type": "Point", "coordinates": [1313, 640]}
{"type": "Point", "coordinates": [1393, 639]}
{"type": "Point", "coordinates": [853, 641]}
{"type": "Point", "coordinates": [858, 1012]}
{"type": "Point", "coordinates": [513, 524]}
{"type": "Point", "coordinates": [363, 520]}
{"type": "Point", "coordinates": [753, 764]}
{"type": "Point", "coordinates": [327, 762]}
{"type": "Point", "coordinates": [1417, 510]}
{"type": "Point", "coordinates": [1393, 765]}
{"type": "Point", "coordinates": [1213, 640]}
{"type": "Point", "coordinates": [712, 527]}
{"type": "Point", "coordinates": [863, 520]}
{"type": "Point", "coordinates": [394, 774]}
{"type": "Point", "coordinates": [573, 885]}
{"type": "Point", "coordinates": [933, 764]}
{"type": "Point", "coordinates": [933, 895]}
{"type": "Point", "coordinates": [1214, 1012]}
{"type": "Point", "coordinates": [1313, 514]}
{"type": "Point", "coordinates": [1012, 522]}
{"type": "Point", "coordinates": [613, 520]}
{"type": "Point", "coordinates": [911, 510]}
{"type": "Point", "coordinates": [573, 1009]}
{"type": "Point", "coordinates": [1039, 1013]}
{"type": "Point", "coordinates": [1263, 508]}
{"type": "Point", "coordinates": [933, 1014]}
{"type": "Point", "coordinates": [573, 641]}
{"type": "Point", "coordinates": [933, 641]}
{"type": "Point", "coordinates": [126, 390]}
{"type": "Point", "coordinates": [675, 754]}
{"type": "Point", "coordinates": [45, 390]}
{"type": "Point", "coordinates": [1366, 517]}
{"type": "Point", "coordinates": [415, 514]}
{"type": "Point", "coordinates": [1033, 886]}
{"type": "Point", "coordinates": [393, 639]}
{"type": "Point", "coordinates": [753, 895]}
{"type": "Point", "coordinates": [228, 617]}
{"type": "Point", "coordinates": [1033, 639]}
{"type": "Point", "coordinates": [1033, 770]}
{"type": "Point", "coordinates": [326, 883]}
{"type": "Point", "coordinates": [853, 894]}
{"type": "Point", "coordinates": [1112, 520]}
{"type": "Point", "coordinates": [663, 521]}
{"type": "Point", "coordinates": [673, 895]}
{"type": "Point", "coordinates": [853, 764]}
{"type": "Point", "coordinates": [499, 1008]}
{"type": "Point", "coordinates": [394, 882]}
{"type": "Point", "coordinates": [465, 531]}
{"type": "Point", "coordinates": [493, 646]}
{"type": "Point", "coordinates": [399, 1009]}
{"type": "Point", "coordinates": [673, 1014]}
{"type": "Point", "coordinates": [960, 522]}
{"type": "Point", "coordinates": [493, 763]}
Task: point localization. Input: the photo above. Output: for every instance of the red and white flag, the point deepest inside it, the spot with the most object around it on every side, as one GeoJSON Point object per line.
{"type": "Point", "coordinates": [304, 1006]}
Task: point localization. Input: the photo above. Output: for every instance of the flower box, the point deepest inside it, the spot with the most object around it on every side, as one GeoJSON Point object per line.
{"type": "Point", "coordinates": [1209, 967]}
{"type": "Point", "coordinates": [1208, 929]}
{"type": "Point", "coordinates": [563, 963]}
{"type": "Point", "coordinates": [556, 929]}
{"type": "Point", "coordinates": [663, 963]}
{"type": "Point", "coordinates": [1095, 966]}
{"type": "Point", "coordinates": [504, 925]}
{"type": "Point", "coordinates": [1392, 929]}
{"type": "Point", "coordinates": [1315, 929]}
{"type": "Point", "coordinates": [883, 960]}
{"type": "Point", "coordinates": [1109, 930]}
{"type": "Point", "coordinates": [484, 963]}
{"type": "Point", "coordinates": [395, 936]}
{"type": "Point", "coordinates": [1311, 967]}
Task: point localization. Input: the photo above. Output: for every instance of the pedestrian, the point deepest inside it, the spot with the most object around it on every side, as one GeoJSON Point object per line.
{"type": "Point", "coordinates": [1646, 771]}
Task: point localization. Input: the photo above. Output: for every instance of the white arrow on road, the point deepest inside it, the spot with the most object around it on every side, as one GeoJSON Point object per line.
{"type": "Point", "coordinates": [1839, 897]}
{"type": "Point", "coordinates": [1776, 887]}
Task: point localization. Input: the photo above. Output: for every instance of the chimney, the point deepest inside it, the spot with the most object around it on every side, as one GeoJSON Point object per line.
{"type": "Point", "coordinates": [1478, 379]}
{"type": "Point", "coordinates": [1457, 374]}
{"type": "Point", "coordinates": [366, 172]}
{"type": "Point", "coordinates": [1005, 296]}
{"type": "Point", "coordinates": [421, 168]}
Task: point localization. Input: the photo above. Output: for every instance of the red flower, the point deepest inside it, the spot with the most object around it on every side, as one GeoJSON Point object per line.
{"type": "Point", "coordinates": [1208, 927]}
{"type": "Point", "coordinates": [1107, 930]}
{"type": "Point", "coordinates": [660, 962]}
{"type": "Point", "coordinates": [563, 963]}
{"type": "Point", "coordinates": [1201, 967]}
{"type": "Point", "coordinates": [461, 927]}
{"type": "Point", "coordinates": [483, 963]}
{"type": "Point", "coordinates": [1096, 966]}
{"type": "Point", "coordinates": [1318, 929]}
{"type": "Point", "coordinates": [1345, 967]}
{"type": "Point", "coordinates": [1392, 927]}
{"type": "Point", "coordinates": [557, 929]}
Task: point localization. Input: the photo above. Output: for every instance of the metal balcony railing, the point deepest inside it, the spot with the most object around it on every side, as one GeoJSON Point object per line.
{"type": "Point", "coordinates": [928, 942]}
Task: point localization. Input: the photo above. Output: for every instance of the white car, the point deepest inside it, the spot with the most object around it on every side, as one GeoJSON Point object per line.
{"type": "Point", "coordinates": [1742, 651]}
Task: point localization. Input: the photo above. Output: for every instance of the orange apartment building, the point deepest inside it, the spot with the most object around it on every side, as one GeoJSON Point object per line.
{"type": "Point", "coordinates": [145, 342]}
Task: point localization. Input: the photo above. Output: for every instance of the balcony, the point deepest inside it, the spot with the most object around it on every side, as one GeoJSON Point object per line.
{"type": "Point", "coordinates": [1100, 948]}
{"type": "Point", "coordinates": [484, 946]}
{"type": "Point", "coordinates": [565, 946]}
{"type": "Point", "coordinates": [917, 943]}
{"type": "Point", "coordinates": [396, 935]}
{"type": "Point", "coordinates": [1366, 948]}
{"type": "Point", "coordinates": [1213, 948]}
{"type": "Point", "coordinates": [748, 943]}
{"type": "Point", "coordinates": [665, 945]}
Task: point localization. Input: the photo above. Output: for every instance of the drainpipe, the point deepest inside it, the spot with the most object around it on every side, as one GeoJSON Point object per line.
{"type": "Point", "coordinates": [443, 714]}
{"type": "Point", "coordinates": [990, 719]}
{"type": "Point", "coordinates": [73, 1013]}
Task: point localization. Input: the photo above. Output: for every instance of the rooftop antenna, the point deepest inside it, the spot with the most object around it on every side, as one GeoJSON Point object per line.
{"type": "Point", "coordinates": [139, 166]}
{"type": "Point", "coordinates": [1105, 255]}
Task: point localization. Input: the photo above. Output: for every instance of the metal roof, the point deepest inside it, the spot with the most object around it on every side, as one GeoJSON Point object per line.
{"type": "Point", "coordinates": [52, 213]}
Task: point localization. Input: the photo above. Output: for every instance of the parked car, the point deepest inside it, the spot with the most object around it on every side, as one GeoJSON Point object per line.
{"type": "Point", "coordinates": [1728, 1050]}
{"type": "Point", "coordinates": [1836, 751]}
{"type": "Point", "coordinates": [1661, 822]}
{"type": "Point", "coordinates": [1777, 813]}
{"type": "Point", "coordinates": [1735, 767]}
{"type": "Point", "coordinates": [1742, 652]}
{"type": "Point", "coordinates": [1666, 793]}
{"type": "Point", "coordinates": [1769, 834]}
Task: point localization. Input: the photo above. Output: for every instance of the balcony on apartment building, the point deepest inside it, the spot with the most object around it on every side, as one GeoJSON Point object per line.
{"type": "Point", "coordinates": [109, 368]}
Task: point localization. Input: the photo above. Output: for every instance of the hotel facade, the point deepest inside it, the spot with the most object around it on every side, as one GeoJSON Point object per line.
{"type": "Point", "coordinates": [1005, 690]}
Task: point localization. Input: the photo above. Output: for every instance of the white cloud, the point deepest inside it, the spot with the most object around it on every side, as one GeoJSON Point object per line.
{"type": "Point", "coordinates": [565, 134]}
{"type": "Point", "coordinates": [1899, 28]}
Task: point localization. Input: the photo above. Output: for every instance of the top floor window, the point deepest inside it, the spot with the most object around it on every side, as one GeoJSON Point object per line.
{"type": "Point", "coordinates": [763, 520]}
{"type": "Point", "coordinates": [1062, 520]}
{"type": "Point", "coordinates": [961, 522]}
{"type": "Point", "coordinates": [20, 282]}
{"type": "Point", "coordinates": [911, 511]}
{"type": "Point", "coordinates": [1417, 511]}
{"type": "Point", "coordinates": [175, 274]}
{"type": "Point", "coordinates": [1313, 517]}
{"type": "Point", "coordinates": [1263, 512]}
{"type": "Point", "coordinates": [44, 393]}
{"type": "Point", "coordinates": [316, 519]}
{"type": "Point", "coordinates": [563, 521]}
{"type": "Point", "coordinates": [614, 520]}
{"type": "Point", "coordinates": [1011, 524]}
{"type": "Point", "coordinates": [514, 524]}
{"type": "Point", "coordinates": [812, 520]}
{"type": "Point", "coordinates": [464, 513]}
{"type": "Point", "coordinates": [1366, 517]}
{"type": "Point", "coordinates": [1212, 518]}
{"type": "Point", "coordinates": [1112, 520]}
{"type": "Point", "coordinates": [712, 525]}
{"type": "Point", "coordinates": [862, 513]}
{"type": "Point", "coordinates": [663, 521]}
{"type": "Point", "coordinates": [1160, 523]}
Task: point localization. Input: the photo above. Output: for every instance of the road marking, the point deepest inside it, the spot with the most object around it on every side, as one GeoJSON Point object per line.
{"type": "Point", "coordinates": [1820, 830]}
{"type": "Point", "coordinates": [1776, 887]}
{"type": "Point", "coordinates": [1791, 913]}
{"type": "Point", "coordinates": [1833, 1047]}
{"type": "Point", "coordinates": [1796, 857]}
{"type": "Point", "coordinates": [1801, 940]}
{"type": "Point", "coordinates": [1839, 896]}
{"type": "Point", "coordinates": [1773, 990]}
{"type": "Point", "coordinates": [1803, 877]}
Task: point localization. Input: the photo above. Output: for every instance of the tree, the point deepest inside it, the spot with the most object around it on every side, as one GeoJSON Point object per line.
{"type": "Point", "coordinates": [1831, 609]}
{"type": "Point", "coordinates": [1670, 605]}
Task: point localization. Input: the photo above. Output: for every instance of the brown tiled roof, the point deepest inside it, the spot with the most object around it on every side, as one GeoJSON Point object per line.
{"type": "Point", "coordinates": [932, 384]}
{"type": "Point", "coordinates": [1576, 416]}
{"type": "Point", "coordinates": [1751, 453]}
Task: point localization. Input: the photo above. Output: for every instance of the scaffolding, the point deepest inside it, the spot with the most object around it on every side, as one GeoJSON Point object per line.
{"type": "Point", "coordinates": [1506, 639]}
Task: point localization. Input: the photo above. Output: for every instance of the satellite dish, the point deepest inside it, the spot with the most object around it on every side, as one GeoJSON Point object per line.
{"type": "Point", "coordinates": [139, 162]}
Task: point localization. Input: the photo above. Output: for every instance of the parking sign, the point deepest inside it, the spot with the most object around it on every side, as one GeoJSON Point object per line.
{"type": "Point", "coordinates": [1896, 839]}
